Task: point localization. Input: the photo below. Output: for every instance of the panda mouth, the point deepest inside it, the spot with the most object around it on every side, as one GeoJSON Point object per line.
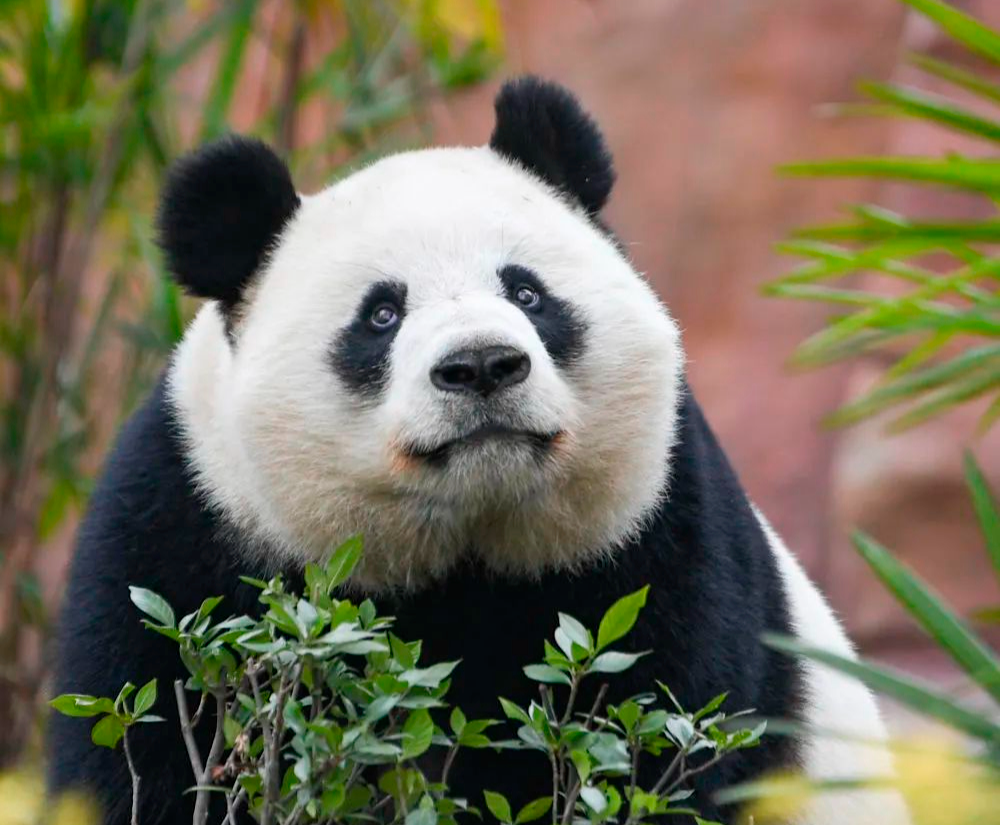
{"type": "Point", "coordinates": [539, 442]}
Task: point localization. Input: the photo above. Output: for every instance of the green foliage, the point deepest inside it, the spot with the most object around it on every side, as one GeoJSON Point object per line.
{"type": "Point", "coordinates": [321, 712]}
{"type": "Point", "coordinates": [948, 321]}
{"type": "Point", "coordinates": [116, 717]}
{"type": "Point", "coordinates": [951, 634]}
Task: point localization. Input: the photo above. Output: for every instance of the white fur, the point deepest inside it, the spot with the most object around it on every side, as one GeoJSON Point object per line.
{"type": "Point", "coordinates": [837, 706]}
{"type": "Point", "coordinates": [297, 459]}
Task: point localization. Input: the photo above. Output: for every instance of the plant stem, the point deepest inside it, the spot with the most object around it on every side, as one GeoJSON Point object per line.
{"type": "Point", "coordinates": [214, 754]}
{"type": "Point", "coordinates": [448, 761]}
{"type": "Point", "coordinates": [136, 779]}
{"type": "Point", "coordinates": [272, 780]}
{"type": "Point", "coordinates": [573, 688]}
{"type": "Point", "coordinates": [574, 794]}
{"type": "Point", "coordinates": [187, 732]}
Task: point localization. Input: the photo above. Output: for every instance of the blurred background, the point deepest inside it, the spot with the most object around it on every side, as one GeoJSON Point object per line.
{"type": "Point", "coordinates": [700, 102]}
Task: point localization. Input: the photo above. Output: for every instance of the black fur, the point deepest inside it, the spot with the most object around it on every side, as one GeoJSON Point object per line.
{"type": "Point", "coordinates": [222, 208]}
{"type": "Point", "coordinates": [713, 590]}
{"type": "Point", "coordinates": [360, 354]}
{"type": "Point", "coordinates": [561, 329]}
{"type": "Point", "coordinates": [542, 126]}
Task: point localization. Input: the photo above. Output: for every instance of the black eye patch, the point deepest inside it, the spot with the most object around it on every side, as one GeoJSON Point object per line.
{"type": "Point", "coordinates": [560, 327]}
{"type": "Point", "coordinates": [360, 353]}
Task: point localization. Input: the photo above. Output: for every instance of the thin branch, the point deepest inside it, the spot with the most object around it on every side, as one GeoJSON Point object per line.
{"type": "Point", "coordinates": [555, 788]}
{"type": "Point", "coordinates": [186, 730]}
{"type": "Point", "coordinates": [233, 804]}
{"type": "Point", "coordinates": [571, 701]}
{"type": "Point", "coordinates": [272, 779]}
{"type": "Point", "coordinates": [199, 710]}
{"type": "Point", "coordinates": [448, 761]}
{"type": "Point", "coordinates": [598, 701]}
{"type": "Point", "coordinates": [136, 779]}
{"type": "Point", "coordinates": [574, 794]}
{"type": "Point", "coordinates": [636, 750]}
{"type": "Point", "coordinates": [686, 775]}
{"type": "Point", "coordinates": [214, 753]}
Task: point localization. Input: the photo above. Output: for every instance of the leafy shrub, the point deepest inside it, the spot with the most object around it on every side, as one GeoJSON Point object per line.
{"type": "Point", "coordinates": [321, 713]}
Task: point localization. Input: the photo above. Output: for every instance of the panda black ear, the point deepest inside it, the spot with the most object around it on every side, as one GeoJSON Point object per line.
{"type": "Point", "coordinates": [222, 208]}
{"type": "Point", "coordinates": [543, 127]}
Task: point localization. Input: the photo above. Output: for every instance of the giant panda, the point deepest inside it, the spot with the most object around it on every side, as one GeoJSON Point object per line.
{"type": "Point", "coordinates": [449, 353]}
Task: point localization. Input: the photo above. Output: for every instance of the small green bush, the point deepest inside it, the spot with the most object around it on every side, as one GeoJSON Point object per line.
{"type": "Point", "coordinates": [322, 714]}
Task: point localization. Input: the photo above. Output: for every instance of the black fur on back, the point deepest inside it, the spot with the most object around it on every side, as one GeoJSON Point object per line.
{"type": "Point", "coordinates": [541, 126]}
{"type": "Point", "coordinates": [714, 589]}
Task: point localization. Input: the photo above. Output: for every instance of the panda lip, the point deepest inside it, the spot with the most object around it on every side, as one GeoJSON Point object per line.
{"type": "Point", "coordinates": [439, 453]}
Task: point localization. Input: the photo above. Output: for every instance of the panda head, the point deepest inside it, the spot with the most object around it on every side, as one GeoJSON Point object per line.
{"type": "Point", "coordinates": [445, 352]}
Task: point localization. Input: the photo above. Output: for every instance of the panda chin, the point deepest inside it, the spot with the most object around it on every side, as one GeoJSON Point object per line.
{"type": "Point", "coordinates": [490, 440]}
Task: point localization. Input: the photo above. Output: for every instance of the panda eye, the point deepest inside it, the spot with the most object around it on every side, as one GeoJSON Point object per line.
{"type": "Point", "coordinates": [527, 297]}
{"type": "Point", "coordinates": [383, 317]}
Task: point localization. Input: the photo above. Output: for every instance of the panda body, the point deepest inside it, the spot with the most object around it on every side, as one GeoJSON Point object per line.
{"type": "Point", "coordinates": [447, 353]}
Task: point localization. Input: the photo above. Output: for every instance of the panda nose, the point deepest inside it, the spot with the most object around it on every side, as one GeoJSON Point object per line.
{"type": "Point", "coordinates": [482, 371]}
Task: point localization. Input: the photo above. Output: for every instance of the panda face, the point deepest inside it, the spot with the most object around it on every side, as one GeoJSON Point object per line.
{"type": "Point", "coordinates": [444, 354]}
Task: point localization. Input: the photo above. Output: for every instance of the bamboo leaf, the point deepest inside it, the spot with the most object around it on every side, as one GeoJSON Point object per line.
{"type": "Point", "coordinates": [986, 508]}
{"type": "Point", "coordinates": [965, 29]}
{"type": "Point", "coordinates": [929, 609]}
{"type": "Point", "coordinates": [916, 695]}
{"type": "Point", "coordinates": [956, 172]}
{"type": "Point", "coordinates": [953, 74]}
{"type": "Point", "coordinates": [904, 388]}
{"type": "Point", "coordinates": [974, 386]}
{"type": "Point", "coordinates": [923, 106]}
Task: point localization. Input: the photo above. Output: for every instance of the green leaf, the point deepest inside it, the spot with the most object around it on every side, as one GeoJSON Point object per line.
{"type": "Point", "coordinates": [884, 396]}
{"type": "Point", "coordinates": [594, 797]}
{"type": "Point", "coordinates": [457, 721]}
{"type": "Point", "coordinates": [231, 729]}
{"type": "Point", "coordinates": [969, 81]}
{"type": "Point", "coordinates": [965, 29]}
{"type": "Point", "coordinates": [430, 677]}
{"type": "Point", "coordinates": [153, 604]}
{"type": "Point", "coordinates": [922, 698]}
{"type": "Point", "coordinates": [145, 698]}
{"type": "Point", "coordinates": [535, 809]}
{"type": "Point", "coordinates": [417, 733]}
{"type": "Point", "coordinates": [498, 805]}
{"type": "Point", "coordinates": [628, 714]}
{"type": "Point", "coordinates": [575, 631]}
{"type": "Point", "coordinates": [614, 662]}
{"type": "Point", "coordinates": [547, 674]}
{"type": "Point", "coordinates": [343, 561]}
{"type": "Point", "coordinates": [965, 389]}
{"type": "Point", "coordinates": [918, 104]}
{"type": "Point", "coordinates": [380, 707]}
{"type": "Point", "coordinates": [961, 173]}
{"type": "Point", "coordinates": [512, 711]}
{"type": "Point", "coordinates": [107, 732]}
{"type": "Point", "coordinates": [422, 816]}
{"type": "Point", "coordinates": [986, 508]}
{"type": "Point", "coordinates": [80, 704]}
{"type": "Point", "coordinates": [928, 608]}
{"type": "Point", "coordinates": [713, 705]}
{"type": "Point", "coordinates": [581, 761]}
{"type": "Point", "coordinates": [620, 618]}
{"type": "Point", "coordinates": [127, 690]}
{"type": "Point", "coordinates": [681, 730]}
